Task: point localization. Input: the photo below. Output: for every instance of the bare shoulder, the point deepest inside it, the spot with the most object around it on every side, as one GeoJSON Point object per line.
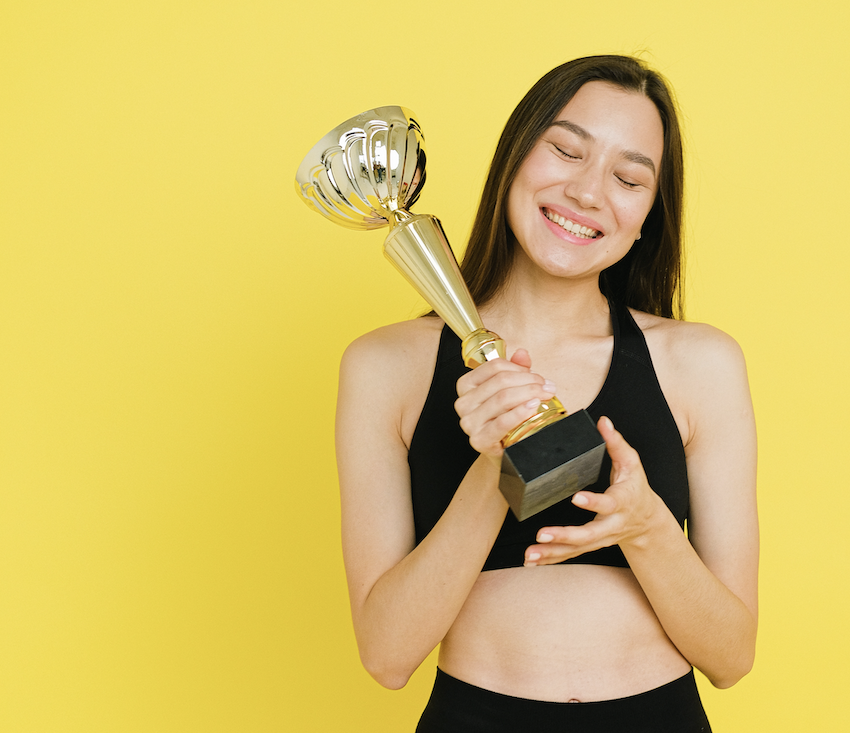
{"type": "Point", "coordinates": [391, 368]}
{"type": "Point", "coordinates": [691, 348]}
{"type": "Point", "coordinates": [700, 368]}
{"type": "Point", "coordinates": [400, 351]}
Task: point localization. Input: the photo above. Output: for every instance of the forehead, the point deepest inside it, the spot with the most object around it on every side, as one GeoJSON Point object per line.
{"type": "Point", "coordinates": [617, 117]}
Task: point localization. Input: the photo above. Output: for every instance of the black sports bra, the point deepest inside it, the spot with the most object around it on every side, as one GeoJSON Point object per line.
{"type": "Point", "coordinates": [440, 454]}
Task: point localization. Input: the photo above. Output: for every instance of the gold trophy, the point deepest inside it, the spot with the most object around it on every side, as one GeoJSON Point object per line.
{"type": "Point", "coordinates": [366, 174]}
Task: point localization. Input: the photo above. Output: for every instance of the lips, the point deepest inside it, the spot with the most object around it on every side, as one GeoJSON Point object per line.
{"type": "Point", "coordinates": [578, 230]}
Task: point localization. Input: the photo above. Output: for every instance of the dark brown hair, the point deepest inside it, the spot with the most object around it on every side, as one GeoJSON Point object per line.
{"type": "Point", "coordinates": [648, 278]}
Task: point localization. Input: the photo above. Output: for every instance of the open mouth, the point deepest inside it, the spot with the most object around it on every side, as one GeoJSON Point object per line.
{"type": "Point", "coordinates": [570, 226]}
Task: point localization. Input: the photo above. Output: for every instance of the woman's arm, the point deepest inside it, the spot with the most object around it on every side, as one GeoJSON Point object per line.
{"type": "Point", "coordinates": [403, 598]}
{"type": "Point", "coordinates": [704, 592]}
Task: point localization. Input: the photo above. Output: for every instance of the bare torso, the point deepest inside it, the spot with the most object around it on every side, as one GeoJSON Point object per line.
{"type": "Point", "coordinates": [562, 632]}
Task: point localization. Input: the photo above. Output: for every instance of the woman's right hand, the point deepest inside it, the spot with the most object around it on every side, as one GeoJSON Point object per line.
{"type": "Point", "coordinates": [496, 397]}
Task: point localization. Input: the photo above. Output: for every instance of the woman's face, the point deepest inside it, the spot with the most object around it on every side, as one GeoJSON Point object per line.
{"type": "Point", "coordinates": [582, 194]}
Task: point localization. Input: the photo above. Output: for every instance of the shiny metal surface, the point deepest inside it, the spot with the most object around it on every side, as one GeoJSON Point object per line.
{"type": "Point", "coordinates": [418, 248]}
{"type": "Point", "coordinates": [366, 174]}
{"type": "Point", "coordinates": [365, 169]}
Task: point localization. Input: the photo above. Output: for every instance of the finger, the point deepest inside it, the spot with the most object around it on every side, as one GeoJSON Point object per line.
{"type": "Point", "coordinates": [517, 387]}
{"type": "Point", "coordinates": [570, 542]}
{"type": "Point", "coordinates": [551, 554]}
{"type": "Point", "coordinates": [483, 374]}
{"type": "Point", "coordinates": [497, 414]}
{"type": "Point", "coordinates": [488, 425]}
{"type": "Point", "coordinates": [623, 456]}
{"type": "Point", "coordinates": [534, 558]}
{"type": "Point", "coordinates": [574, 535]}
{"type": "Point", "coordinates": [522, 358]}
{"type": "Point", "coordinates": [598, 503]}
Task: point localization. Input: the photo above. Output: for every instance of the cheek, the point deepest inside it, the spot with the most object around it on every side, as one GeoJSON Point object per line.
{"type": "Point", "coordinates": [633, 213]}
{"type": "Point", "coordinates": [520, 202]}
{"type": "Point", "coordinates": [511, 209]}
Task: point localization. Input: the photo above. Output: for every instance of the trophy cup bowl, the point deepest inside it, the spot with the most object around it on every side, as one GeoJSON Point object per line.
{"type": "Point", "coordinates": [366, 174]}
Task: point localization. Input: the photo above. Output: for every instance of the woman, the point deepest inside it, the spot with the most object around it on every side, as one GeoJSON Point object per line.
{"type": "Point", "coordinates": [600, 601]}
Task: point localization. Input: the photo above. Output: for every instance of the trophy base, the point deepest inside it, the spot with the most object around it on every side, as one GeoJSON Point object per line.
{"type": "Point", "coordinates": [552, 464]}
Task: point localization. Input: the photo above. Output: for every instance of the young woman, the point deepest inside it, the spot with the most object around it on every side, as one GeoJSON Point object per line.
{"type": "Point", "coordinates": [590, 615]}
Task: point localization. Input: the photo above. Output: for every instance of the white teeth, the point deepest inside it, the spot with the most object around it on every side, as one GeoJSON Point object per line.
{"type": "Point", "coordinates": [570, 226]}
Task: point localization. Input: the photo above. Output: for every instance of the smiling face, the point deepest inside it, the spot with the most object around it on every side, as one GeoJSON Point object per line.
{"type": "Point", "coordinates": [579, 199]}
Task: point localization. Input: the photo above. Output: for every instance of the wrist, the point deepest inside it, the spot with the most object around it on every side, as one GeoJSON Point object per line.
{"type": "Point", "coordinates": [493, 460]}
{"type": "Point", "coordinates": [653, 526]}
{"type": "Point", "coordinates": [488, 471]}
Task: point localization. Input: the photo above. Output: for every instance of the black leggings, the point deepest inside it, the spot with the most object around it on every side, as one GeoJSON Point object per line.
{"type": "Point", "coordinates": [458, 707]}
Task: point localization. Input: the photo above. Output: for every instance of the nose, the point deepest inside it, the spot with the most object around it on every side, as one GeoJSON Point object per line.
{"type": "Point", "coordinates": [585, 187]}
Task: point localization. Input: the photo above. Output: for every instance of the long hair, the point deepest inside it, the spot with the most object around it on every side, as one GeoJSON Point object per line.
{"type": "Point", "coordinates": [649, 277]}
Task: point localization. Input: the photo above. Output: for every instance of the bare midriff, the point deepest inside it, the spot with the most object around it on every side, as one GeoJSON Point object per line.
{"type": "Point", "coordinates": [560, 633]}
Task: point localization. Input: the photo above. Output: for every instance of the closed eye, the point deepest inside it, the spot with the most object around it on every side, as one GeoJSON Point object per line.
{"type": "Point", "coordinates": [565, 153]}
{"type": "Point", "coordinates": [627, 183]}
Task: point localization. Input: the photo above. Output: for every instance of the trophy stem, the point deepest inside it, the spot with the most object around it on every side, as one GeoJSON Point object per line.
{"type": "Point", "coordinates": [480, 346]}
{"type": "Point", "coordinates": [418, 247]}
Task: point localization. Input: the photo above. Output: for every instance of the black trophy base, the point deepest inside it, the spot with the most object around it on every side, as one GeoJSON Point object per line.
{"type": "Point", "coordinates": [552, 464]}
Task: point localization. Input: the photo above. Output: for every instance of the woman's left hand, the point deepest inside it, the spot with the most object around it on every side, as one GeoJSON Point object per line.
{"type": "Point", "coordinates": [624, 512]}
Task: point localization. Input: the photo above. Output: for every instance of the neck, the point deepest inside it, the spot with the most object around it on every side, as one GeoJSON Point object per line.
{"type": "Point", "coordinates": [547, 305]}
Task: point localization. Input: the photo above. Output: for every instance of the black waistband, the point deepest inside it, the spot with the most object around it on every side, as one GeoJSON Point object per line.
{"type": "Point", "coordinates": [459, 707]}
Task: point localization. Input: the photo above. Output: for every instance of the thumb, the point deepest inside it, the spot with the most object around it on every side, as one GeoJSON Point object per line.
{"type": "Point", "coordinates": [522, 358]}
{"type": "Point", "coordinates": [623, 456]}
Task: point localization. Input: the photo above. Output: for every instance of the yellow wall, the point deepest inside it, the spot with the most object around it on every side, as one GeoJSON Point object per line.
{"type": "Point", "coordinates": [171, 319]}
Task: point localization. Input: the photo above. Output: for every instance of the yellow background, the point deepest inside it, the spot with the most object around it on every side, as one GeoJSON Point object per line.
{"type": "Point", "coordinates": [171, 320]}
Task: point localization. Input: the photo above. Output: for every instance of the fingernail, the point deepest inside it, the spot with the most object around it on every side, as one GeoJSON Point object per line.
{"type": "Point", "coordinates": [544, 537]}
{"type": "Point", "coordinates": [607, 423]}
{"type": "Point", "coordinates": [579, 499]}
{"type": "Point", "coordinates": [549, 386]}
{"type": "Point", "coordinates": [534, 556]}
{"type": "Point", "coordinates": [532, 403]}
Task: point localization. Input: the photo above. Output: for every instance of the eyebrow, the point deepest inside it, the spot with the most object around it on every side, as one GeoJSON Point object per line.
{"type": "Point", "coordinates": [631, 155]}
